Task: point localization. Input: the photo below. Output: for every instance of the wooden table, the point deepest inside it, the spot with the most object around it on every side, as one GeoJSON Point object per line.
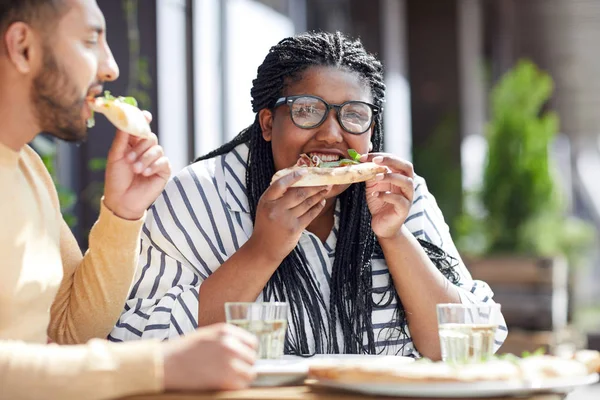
{"type": "Point", "coordinates": [302, 393]}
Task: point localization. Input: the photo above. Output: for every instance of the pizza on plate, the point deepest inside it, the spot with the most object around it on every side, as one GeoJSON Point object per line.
{"type": "Point", "coordinates": [533, 368]}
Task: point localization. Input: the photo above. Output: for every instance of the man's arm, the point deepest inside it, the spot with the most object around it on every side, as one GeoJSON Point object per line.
{"type": "Point", "coordinates": [95, 286]}
{"type": "Point", "coordinates": [98, 370]}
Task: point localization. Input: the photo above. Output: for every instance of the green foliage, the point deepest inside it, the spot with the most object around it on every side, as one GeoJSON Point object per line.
{"type": "Point", "coordinates": [435, 161]}
{"type": "Point", "coordinates": [521, 208]}
{"type": "Point", "coordinates": [97, 164]}
{"type": "Point", "coordinates": [67, 198]}
{"type": "Point", "coordinates": [93, 192]}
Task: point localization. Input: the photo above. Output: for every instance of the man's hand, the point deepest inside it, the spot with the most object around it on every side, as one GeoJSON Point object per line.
{"type": "Point", "coordinates": [217, 357]}
{"type": "Point", "coordinates": [136, 173]}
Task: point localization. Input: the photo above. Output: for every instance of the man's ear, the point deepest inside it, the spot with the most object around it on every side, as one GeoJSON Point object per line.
{"type": "Point", "coordinates": [21, 46]}
{"type": "Point", "coordinates": [265, 118]}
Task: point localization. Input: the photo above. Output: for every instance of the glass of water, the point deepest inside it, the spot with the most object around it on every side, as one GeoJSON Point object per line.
{"type": "Point", "coordinates": [268, 321]}
{"type": "Point", "coordinates": [467, 331]}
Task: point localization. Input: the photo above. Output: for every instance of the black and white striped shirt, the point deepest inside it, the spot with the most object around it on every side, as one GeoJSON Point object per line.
{"type": "Point", "coordinates": [203, 217]}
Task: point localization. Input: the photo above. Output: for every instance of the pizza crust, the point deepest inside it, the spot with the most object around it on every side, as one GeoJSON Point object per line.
{"type": "Point", "coordinates": [125, 117]}
{"type": "Point", "coordinates": [334, 176]}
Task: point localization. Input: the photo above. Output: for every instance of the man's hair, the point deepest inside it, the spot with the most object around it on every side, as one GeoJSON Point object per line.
{"type": "Point", "coordinates": [39, 13]}
{"type": "Point", "coordinates": [351, 300]}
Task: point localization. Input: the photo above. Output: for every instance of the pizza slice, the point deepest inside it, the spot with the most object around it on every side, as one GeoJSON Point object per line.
{"type": "Point", "coordinates": [591, 358]}
{"type": "Point", "coordinates": [122, 112]}
{"type": "Point", "coordinates": [340, 172]}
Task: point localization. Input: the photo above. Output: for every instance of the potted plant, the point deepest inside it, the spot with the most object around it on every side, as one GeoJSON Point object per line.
{"type": "Point", "coordinates": [515, 233]}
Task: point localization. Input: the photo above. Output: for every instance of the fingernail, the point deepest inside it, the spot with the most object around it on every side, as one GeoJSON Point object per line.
{"type": "Point", "coordinates": [131, 156]}
{"type": "Point", "coordinates": [137, 167]}
{"type": "Point", "coordinates": [375, 194]}
{"type": "Point", "coordinates": [329, 187]}
{"type": "Point", "coordinates": [379, 177]}
{"type": "Point", "coordinates": [363, 157]}
{"type": "Point", "coordinates": [147, 171]}
{"type": "Point", "coordinates": [378, 159]}
{"type": "Point", "coordinates": [323, 202]}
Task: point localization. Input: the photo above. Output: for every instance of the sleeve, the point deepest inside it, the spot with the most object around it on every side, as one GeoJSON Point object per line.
{"type": "Point", "coordinates": [181, 246]}
{"type": "Point", "coordinates": [96, 370]}
{"type": "Point", "coordinates": [426, 222]}
{"type": "Point", "coordinates": [95, 286]}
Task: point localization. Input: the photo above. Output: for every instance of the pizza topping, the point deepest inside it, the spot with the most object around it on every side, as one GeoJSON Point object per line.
{"type": "Point", "coordinates": [318, 160]}
{"type": "Point", "coordinates": [127, 100]}
{"type": "Point", "coordinates": [304, 161]}
{"type": "Point", "coordinates": [354, 154]}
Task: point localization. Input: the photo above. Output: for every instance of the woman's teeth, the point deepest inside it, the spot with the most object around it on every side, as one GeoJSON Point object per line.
{"type": "Point", "coordinates": [325, 157]}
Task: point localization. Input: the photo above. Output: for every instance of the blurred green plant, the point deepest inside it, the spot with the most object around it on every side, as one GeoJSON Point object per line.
{"type": "Point", "coordinates": [139, 80]}
{"type": "Point", "coordinates": [439, 166]}
{"type": "Point", "coordinates": [93, 192]}
{"type": "Point", "coordinates": [46, 149]}
{"type": "Point", "coordinates": [519, 209]}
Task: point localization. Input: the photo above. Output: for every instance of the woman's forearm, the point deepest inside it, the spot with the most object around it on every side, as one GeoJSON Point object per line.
{"type": "Point", "coordinates": [421, 287]}
{"type": "Point", "coordinates": [241, 278]}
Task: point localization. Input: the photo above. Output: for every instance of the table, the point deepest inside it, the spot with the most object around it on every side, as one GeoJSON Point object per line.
{"type": "Point", "coordinates": [301, 393]}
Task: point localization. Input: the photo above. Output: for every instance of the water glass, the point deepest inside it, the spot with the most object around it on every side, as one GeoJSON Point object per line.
{"type": "Point", "coordinates": [268, 321]}
{"type": "Point", "coordinates": [467, 331]}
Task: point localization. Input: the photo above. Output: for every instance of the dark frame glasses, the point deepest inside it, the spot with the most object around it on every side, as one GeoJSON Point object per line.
{"type": "Point", "coordinates": [291, 100]}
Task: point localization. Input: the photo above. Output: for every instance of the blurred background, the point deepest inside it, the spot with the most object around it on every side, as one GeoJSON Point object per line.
{"type": "Point", "coordinates": [496, 102]}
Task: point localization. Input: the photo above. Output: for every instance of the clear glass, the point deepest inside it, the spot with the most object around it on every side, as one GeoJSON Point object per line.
{"type": "Point", "coordinates": [268, 321]}
{"type": "Point", "coordinates": [467, 331]}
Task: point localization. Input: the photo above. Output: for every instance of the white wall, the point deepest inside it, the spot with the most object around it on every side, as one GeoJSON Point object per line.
{"type": "Point", "coordinates": [172, 81]}
{"type": "Point", "coordinates": [247, 44]}
{"type": "Point", "coordinates": [231, 39]}
{"type": "Point", "coordinates": [397, 112]}
{"type": "Point", "coordinates": [207, 76]}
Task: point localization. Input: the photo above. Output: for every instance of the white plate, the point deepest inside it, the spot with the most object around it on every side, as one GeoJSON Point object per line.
{"type": "Point", "coordinates": [462, 390]}
{"type": "Point", "coordinates": [294, 369]}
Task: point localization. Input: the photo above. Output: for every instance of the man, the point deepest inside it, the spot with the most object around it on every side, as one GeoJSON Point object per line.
{"type": "Point", "coordinates": [53, 55]}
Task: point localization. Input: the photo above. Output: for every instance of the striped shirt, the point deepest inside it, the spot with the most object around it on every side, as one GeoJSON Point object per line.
{"type": "Point", "coordinates": [203, 217]}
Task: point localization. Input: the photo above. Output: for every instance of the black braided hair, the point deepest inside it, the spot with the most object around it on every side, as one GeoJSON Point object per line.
{"type": "Point", "coordinates": [351, 301]}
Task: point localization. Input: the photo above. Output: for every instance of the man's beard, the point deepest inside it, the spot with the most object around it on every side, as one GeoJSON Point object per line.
{"type": "Point", "coordinates": [57, 103]}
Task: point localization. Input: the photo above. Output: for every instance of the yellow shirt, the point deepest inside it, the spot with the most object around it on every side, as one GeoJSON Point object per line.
{"type": "Point", "coordinates": [48, 289]}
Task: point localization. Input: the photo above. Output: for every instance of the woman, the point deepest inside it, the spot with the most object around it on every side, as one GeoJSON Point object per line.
{"type": "Point", "coordinates": [359, 264]}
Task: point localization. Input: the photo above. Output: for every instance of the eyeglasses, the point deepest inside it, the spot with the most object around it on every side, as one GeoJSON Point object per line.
{"type": "Point", "coordinates": [308, 112]}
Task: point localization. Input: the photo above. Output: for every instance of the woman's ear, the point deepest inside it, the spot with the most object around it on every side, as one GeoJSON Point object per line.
{"type": "Point", "coordinates": [265, 119]}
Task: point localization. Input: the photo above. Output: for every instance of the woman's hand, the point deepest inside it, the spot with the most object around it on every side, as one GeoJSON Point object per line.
{"type": "Point", "coordinates": [389, 195]}
{"type": "Point", "coordinates": [283, 212]}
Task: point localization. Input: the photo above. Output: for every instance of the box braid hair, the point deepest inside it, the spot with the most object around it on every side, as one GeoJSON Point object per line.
{"type": "Point", "coordinates": [351, 300]}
